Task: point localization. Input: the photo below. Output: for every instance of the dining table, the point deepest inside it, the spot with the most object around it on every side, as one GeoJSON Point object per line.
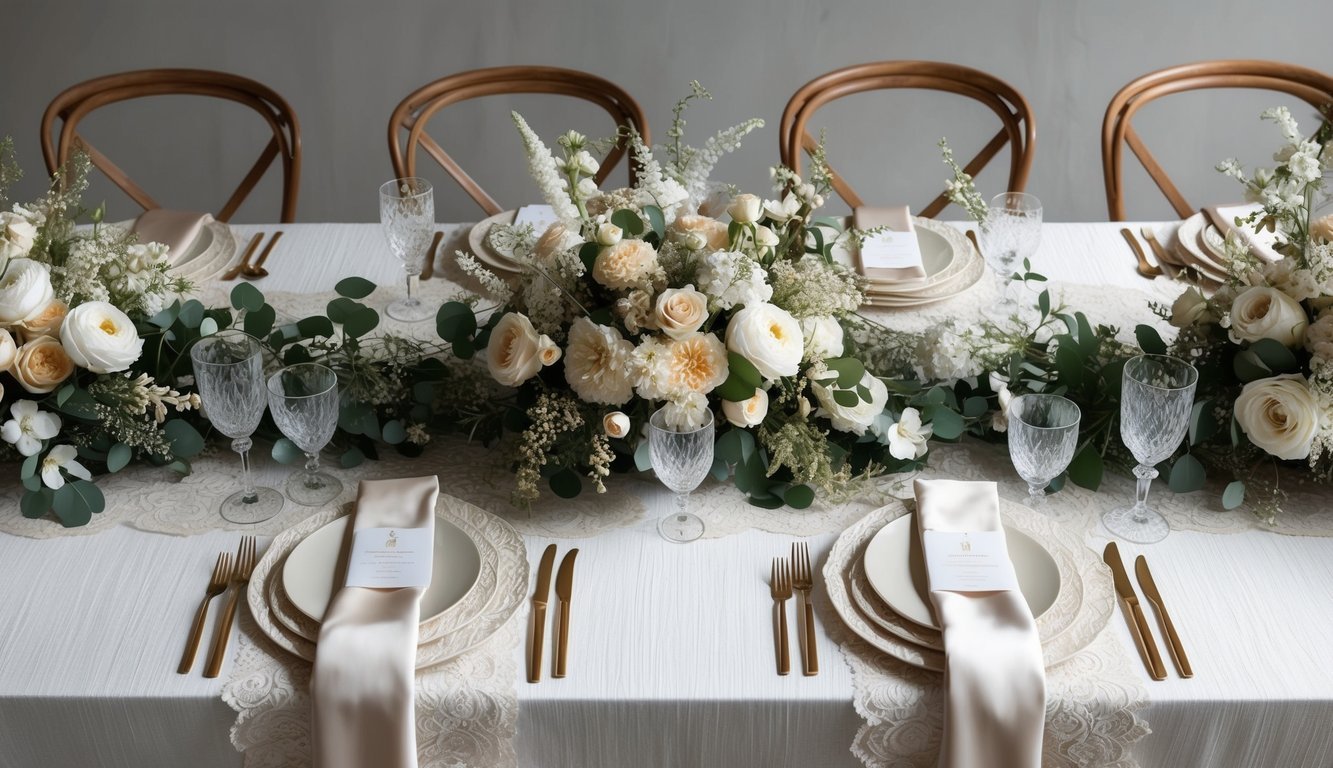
{"type": "Point", "coordinates": [671, 645]}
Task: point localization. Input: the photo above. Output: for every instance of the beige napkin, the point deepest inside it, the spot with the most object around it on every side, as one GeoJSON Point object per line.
{"type": "Point", "coordinates": [175, 229]}
{"type": "Point", "coordinates": [994, 678]}
{"type": "Point", "coordinates": [363, 683]}
{"type": "Point", "coordinates": [1261, 243]}
{"type": "Point", "coordinates": [901, 263]}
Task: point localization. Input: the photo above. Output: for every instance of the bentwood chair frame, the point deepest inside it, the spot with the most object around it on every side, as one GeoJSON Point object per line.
{"type": "Point", "coordinates": [415, 112]}
{"type": "Point", "coordinates": [1019, 129]}
{"type": "Point", "coordinates": [1315, 88]}
{"type": "Point", "coordinates": [78, 101]}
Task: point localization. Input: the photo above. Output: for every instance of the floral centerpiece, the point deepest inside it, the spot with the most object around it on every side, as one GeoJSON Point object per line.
{"type": "Point", "coordinates": [680, 295]}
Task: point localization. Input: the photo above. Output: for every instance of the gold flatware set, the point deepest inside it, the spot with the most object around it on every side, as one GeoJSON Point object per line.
{"type": "Point", "coordinates": [1138, 623]}
{"type": "Point", "coordinates": [256, 270]}
{"type": "Point", "coordinates": [429, 269]}
{"type": "Point", "coordinates": [227, 573]}
{"type": "Point", "coordinates": [564, 592]}
{"type": "Point", "coordinates": [788, 577]}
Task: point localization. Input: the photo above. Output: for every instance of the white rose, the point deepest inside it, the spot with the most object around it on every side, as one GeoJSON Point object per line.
{"type": "Point", "coordinates": [1189, 308]}
{"type": "Point", "coordinates": [514, 352]}
{"type": "Point", "coordinates": [680, 311]}
{"type": "Point", "coordinates": [615, 424]}
{"type": "Point", "coordinates": [747, 413]}
{"type": "Point", "coordinates": [1267, 313]}
{"type": "Point", "coordinates": [609, 234]}
{"type": "Point", "coordinates": [17, 235]}
{"type": "Point", "coordinates": [1279, 415]}
{"type": "Point", "coordinates": [745, 208]}
{"type": "Point", "coordinates": [25, 290]}
{"type": "Point", "coordinates": [857, 418]}
{"type": "Point", "coordinates": [769, 337]}
{"type": "Point", "coordinates": [8, 350]}
{"type": "Point", "coordinates": [823, 337]}
{"type": "Point", "coordinates": [100, 337]}
{"type": "Point", "coordinates": [548, 351]}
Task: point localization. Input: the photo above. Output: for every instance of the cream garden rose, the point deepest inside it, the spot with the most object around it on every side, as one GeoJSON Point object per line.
{"type": "Point", "coordinates": [823, 337]}
{"type": "Point", "coordinates": [1189, 308]}
{"type": "Point", "coordinates": [615, 424]}
{"type": "Point", "coordinates": [1279, 415]}
{"type": "Point", "coordinates": [25, 289]}
{"type": "Point", "coordinates": [45, 322]}
{"type": "Point", "coordinates": [626, 264]}
{"type": "Point", "coordinates": [100, 337]}
{"type": "Point", "coordinates": [514, 352]}
{"type": "Point", "coordinates": [41, 365]}
{"type": "Point", "coordinates": [680, 311]}
{"type": "Point", "coordinates": [856, 418]}
{"type": "Point", "coordinates": [556, 239]}
{"type": "Point", "coordinates": [769, 337]}
{"type": "Point", "coordinates": [598, 363]}
{"type": "Point", "coordinates": [745, 208]}
{"type": "Point", "coordinates": [747, 413]}
{"type": "Point", "coordinates": [1267, 313]}
{"type": "Point", "coordinates": [17, 235]}
{"type": "Point", "coordinates": [700, 232]}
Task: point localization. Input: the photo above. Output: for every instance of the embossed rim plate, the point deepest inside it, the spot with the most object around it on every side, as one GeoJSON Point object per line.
{"type": "Point", "coordinates": [476, 241]}
{"type": "Point", "coordinates": [1188, 239]}
{"type": "Point", "coordinates": [896, 572]}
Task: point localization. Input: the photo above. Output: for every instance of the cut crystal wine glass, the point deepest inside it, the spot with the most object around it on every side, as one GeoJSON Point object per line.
{"type": "Point", "coordinates": [1157, 394]}
{"type": "Point", "coordinates": [407, 213]}
{"type": "Point", "coordinates": [681, 460]}
{"type": "Point", "coordinates": [1043, 433]}
{"type": "Point", "coordinates": [1011, 232]}
{"type": "Point", "coordinates": [304, 401]}
{"type": "Point", "coordinates": [229, 372]}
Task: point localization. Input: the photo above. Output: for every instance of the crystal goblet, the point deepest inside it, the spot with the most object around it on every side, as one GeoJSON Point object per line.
{"type": "Point", "coordinates": [304, 401]}
{"type": "Point", "coordinates": [407, 213]}
{"type": "Point", "coordinates": [1043, 433]}
{"type": "Point", "coordinates": [681, 460]}
{"type": "Point", "coordinates": [1011, 232]}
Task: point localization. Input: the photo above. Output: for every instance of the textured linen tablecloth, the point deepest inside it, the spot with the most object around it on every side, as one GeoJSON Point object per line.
{"type": "Point", "coordinates": [671, 646]}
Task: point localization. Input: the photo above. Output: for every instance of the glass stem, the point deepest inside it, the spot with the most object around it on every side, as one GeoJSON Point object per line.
{"type": "Point", "coordinates": [311, 467]}
{"type": "Point", "coordinates": [1145, 474]}
{"type": "Point", "coordinates": [1036, 493]}
{"type": "Point", "coordinates": [683, 503]}
{"type": "Point", "coordinates": [412, 281]}
{"type": "Point", "coordinates": [242, 446]}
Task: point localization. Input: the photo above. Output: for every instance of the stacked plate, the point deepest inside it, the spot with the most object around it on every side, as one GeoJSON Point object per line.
{"type": "Point", "coordinates": [478, 580]}
{"type": "Point", "coordinates": [877, 584]}
{"type": "Point", "coordinates": [1199, 245]}
{"type": "Point", "coordinates": [952, 266]}
{"type": "Point", "coordinates": [208, 256]}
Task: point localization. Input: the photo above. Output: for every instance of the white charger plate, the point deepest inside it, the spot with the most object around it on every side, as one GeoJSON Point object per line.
{"type": "Point", "coordinates": [1190, 249]}
{"type": "Point", "coordinates": [896, 571]}
{"type": "Point", "coordinates": [476, 241]}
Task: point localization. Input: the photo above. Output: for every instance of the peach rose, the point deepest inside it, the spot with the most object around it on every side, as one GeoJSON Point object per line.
{"type": "Point", "coordinates": [680, 311]}
{"type": "Point", "coordinates": [46, 322]}
{"type": "Point", "coordinates": [41, 365]}
{"type": "Point", "coordinates": [700, 232]}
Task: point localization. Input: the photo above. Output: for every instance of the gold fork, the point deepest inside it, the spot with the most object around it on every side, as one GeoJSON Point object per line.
{"type": "Point", "coordinates": [217, 584]}
{"type": "Point", "coordinates": [245, 565]}
{"type": "Point", "coordinates": [803, 581]}
{"type": "Point", "coordinates": [781, 590]}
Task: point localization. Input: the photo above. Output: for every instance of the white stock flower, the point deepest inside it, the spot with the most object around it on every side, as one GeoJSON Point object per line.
{"type": "Point", "coordinates": [823, 337]}
{"type": "Point", "coordinates": [769, 337]}
{"type": "Point", "coordinates": [782, 211]}
{"type": "Point", "coordinates": [745, 208]}
{"type": "Point", "coordinates": [731, 279]}
{"type": "Point", "coordinates": [908, 438]}
{"type": "Point", "coordinates": [514, 352]}
{"type": "Point", "coordinates": [681, 311]}
{"type": "Point", "coordinates": [100, 338]}
{"type": "Point", "coordinates": [1279, 415]}
{"type": "Point", "coordinates": [687, 413]}
{"type": "Point", "coordinates": [29, 427]}
{"type": "Point", "coordinates": [615, 424]}
{"type": "Point", "coordinates": [583, 162]}
{"type": "Point", "coordinates": [62, 457]}
{"type": "Point", "coordinates": [598, 363]}
{"type": "Point", "coordinates": [542, 168]}
{"type": "Point", "coordinates": [17, 235]}
{"type": "Point", "coordinates": [25, 290]}
{"type": "Point", "coordinates": [749, 412]}
{"type": "Point", "coordinates": [1267, 313]}
{"type": "Point", "coordinates": [855, 418]}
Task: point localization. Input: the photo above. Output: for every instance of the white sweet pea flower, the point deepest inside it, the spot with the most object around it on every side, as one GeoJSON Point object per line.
{"type": "Point", "coordinates": [782, 211]}
{"type": "Point", "coordinates": [584, 162]}
{"type": "Point", "coordinates": [60, 458]}
{"type": "Point", "coordinates": [29, 427]}
{"type": "Point", "coordinates": [908, 438]}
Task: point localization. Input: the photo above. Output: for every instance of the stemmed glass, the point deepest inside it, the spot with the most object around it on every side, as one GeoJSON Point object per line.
{"type": "Point", "coordinates": [1011, 232]}
{"type": "Point", "coordinates": [681, 461]}
{"type": "Point", "coordinates": [1156, 395]}
{"type": "Point", "coordinates": [1043, 433]}
{"type": "Point", "coordinates": [407, 213]}
{"type": "Point", "coordinates": [304, 401]}
{"type": "Point", "coordinates": [229, 372]}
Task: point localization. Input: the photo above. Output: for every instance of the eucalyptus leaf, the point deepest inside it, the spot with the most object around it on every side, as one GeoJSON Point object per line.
{"type": "Point", "coordinates": [184, 438]}
{"type": "Point", "coordinates": [1187, 474]}
{"type": "Point", "coordinates": [656, 220]}
{"type": "Point", "coordinates": [315, 326]}
{"type": "Point", "coordinates": [352, 457]}
{"type": "Point", "coordinates": [455, 321]}
{"type": "Point", "coordinates": [1276, 357]}
{"type": "Point", "coordinates": [285, 452]}
{"type": "Point", "coordinates": [799, 496]}
{"type": "Point", "coordinates": [1202, 423]}
{"type": "Point", "coordinates": [1248, 366]}
{"type": "Point", "coordinates": [259, 322]}
{"type": "Point", "coordinates": [1150, 341]}
{"type": "Point", "coordinates": [643, 456]}
{"type": "Point", "coordinates": [944, 422]}
{"type": "Point", "coordinates": [1087, 468]}
{"type": "Point", "coordinates": [1234, 495]}
{"type": "Point", "coordinates": [354, 287]}
{"type": "Point", "coordinates": [849, 370]}
{"type": "Point", "coordinates": [566, 483]}
{"type": "Point", "coordinates": [76, 501]}
{"type": "Point", "coordinates": [767, 501]}
{"type": "Point", "coordinates": [846, 398]}
{"type": "Point", "coordinates": [629, 221]}
{"type": "Point", "coordinates": [29, 466]}
{"type": "Point", "coordinates": [719, 471]}
{"type": "Point", "coordinates": [362, 322]}
{"type": "Point", "coordinates": [1069, 363]}
{"type": "Point", "coordinates": [342, 308]}
{"type": "Point", "coordinates": [118, 457]}
{"type": "Point", "coordinates": [393, 432]}
{"type": "Point", "coordinates": [35, 504]}
{"type": "Point", "coordinates": [208, 326]}
{"type": "Point", "coordinates": [975, 407]}
{"type": "Point", "coordinates": [192, 312]}
{"type": "Point", "coordinates": [244, 296]}
{"type": "Point", "coordinates": [588, 254]}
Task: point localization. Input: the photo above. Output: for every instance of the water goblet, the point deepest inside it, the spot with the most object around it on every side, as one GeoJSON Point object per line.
{"type": "Point", "coordinates": [304, 401]}
{"type": "Point", "coordinates": [229, 372]}
{"type": "Point", "coordinates": [1043, 433]}
{"type": "Point", "coordinates": [1011, 232]}
{"type": "Point", "coordinates": [407, 213]}
{"type": "Point", "coordinates": [1157, 394]}
{"type": "Point", "coordinates": [681, 460]}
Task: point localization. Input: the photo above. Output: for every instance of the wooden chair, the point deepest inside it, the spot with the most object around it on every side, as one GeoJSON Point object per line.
{"type": "Point", "coordinates": [415, 112]}
{"type": "Point", "coordinates": [1313, 87]}
{"type": "Point", "coordinates": [1019, 129]}
{"type": "Point", "coordinates": [77, 102]}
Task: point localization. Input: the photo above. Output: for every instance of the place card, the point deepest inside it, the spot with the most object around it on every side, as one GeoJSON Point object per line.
{"type": "Point", "coordinates": [389, 558]}
{"type": "Point", "coordinates": [893, 253]}
{"type": "Point", "coordinates": [976, 561]}
{"type": "Point", "coordinates": [541, 217]}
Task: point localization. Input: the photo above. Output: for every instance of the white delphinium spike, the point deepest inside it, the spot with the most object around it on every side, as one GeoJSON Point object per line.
{"type": "Point", "coordinates": [544, 170]}
{"type": "Point", "coordinates": [699, 164]}
{"type": "Point", "coordinates": [496, 287]}
{"type": "Point", "coordinates": [665, 192]}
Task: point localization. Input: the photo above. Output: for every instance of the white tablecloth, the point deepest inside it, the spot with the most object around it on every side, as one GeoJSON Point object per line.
{"type": "Point", "coordinates": [671, 660]}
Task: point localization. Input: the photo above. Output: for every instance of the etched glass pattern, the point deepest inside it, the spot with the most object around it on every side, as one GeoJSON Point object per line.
{"type": "Point", "coordinates": [681, 460]}
{"type": "Point", "coordinates": [1011, 232]}
{"type": "Point", "coordinates": [304, 401]}
{"type": "Point", "coordinates": [1043, 433]}
{"type": "Point", "coordinates": [407, 213]}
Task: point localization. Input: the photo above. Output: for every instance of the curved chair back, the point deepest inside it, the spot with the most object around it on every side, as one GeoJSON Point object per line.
{"type": "Point", "coordinates": [78, 101]}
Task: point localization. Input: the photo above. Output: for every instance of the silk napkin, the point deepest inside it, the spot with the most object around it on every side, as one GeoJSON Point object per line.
{"type": "Point", "coordinates": [896, 256]}
{"type": "Point", "coordinates": [175, 229]}
{"type": "Point", "coordinates": [994, 676]}
{"type": "Point", "coordinates": [1261, 243]}
{"type": "Point", "coordinates": [363, 683]}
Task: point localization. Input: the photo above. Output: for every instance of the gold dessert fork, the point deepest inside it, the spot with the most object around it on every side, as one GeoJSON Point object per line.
{"type": "Point", "coordinates": [217, 584]}
{"type": "Point", "coordinates": [803, 581]}
{"type": "Point", "coordinates": [781, 591]}
{"type": "Point", "coordinates": [245, 565]}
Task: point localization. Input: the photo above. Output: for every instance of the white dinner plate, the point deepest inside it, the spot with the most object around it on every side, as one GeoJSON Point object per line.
{"type": "Point", "coordinates": [311, 572]}
{"type": "Point", "coordinates": [883, 617]}
{"type": "Point", "coordinates": [1191, 251]}
{"type": "Point", "coordinates": [896, 571]}
{"type": "Point", "coordinates": [476, 240]}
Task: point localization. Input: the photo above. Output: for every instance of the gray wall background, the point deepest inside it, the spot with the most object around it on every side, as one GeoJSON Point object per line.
{"type": "Point", "coordinates": [345, 64]}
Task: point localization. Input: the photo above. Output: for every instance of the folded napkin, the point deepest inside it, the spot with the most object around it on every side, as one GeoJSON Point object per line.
{"type": "Point", "coordinates": [175, 229]}
{"type": "Point", "coordinates": [893, 255]}
{"type": "Point", "coordinates": [1261, 243]}
{"type": "Point", "coordinates": [363, 683]}
{"type": "Point", "coordinates": [994, 678]}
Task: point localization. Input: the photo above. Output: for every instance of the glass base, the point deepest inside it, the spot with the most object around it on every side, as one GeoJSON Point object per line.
{"type": "Point", "coordinates": [313, 489]}
{"type": "Point", "coordinates": [681, 527]}
{"type": "Point", "coordinates": [1143, 526]}
{"type": "Point", "coordinates": [265, 504]}
{"type": "Point", "coordinates": [410, 310]}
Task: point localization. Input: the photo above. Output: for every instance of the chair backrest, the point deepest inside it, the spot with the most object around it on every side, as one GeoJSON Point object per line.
{"type": "Point", "coordinates": [1313, 87]}
{"type": "Point", "coordinates": [78, 101]}
{"type": "Point", "coordinates": [415, 111]}
{"type": "Point", "coordinates": [1018, 129]}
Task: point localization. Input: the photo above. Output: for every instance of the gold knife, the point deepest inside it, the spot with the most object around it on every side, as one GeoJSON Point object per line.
{"type": "Point", "coordinates": [1173, 643]}
{"type": "Point", "coordinates": [1138, 625]}
{"type": "Point", "coordinates": [539, 612]}
{"type": "Point", "coordinates": [429, 269]}
{"type": "Point", "coordinates": [564, 589]}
